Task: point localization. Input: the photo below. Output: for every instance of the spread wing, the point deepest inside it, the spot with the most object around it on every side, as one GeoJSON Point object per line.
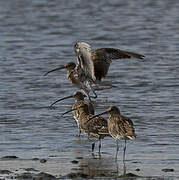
{"type": "Point", "coordinates": [107, 54]}
{"type": "Point", "coordinates": [95, 64]}
{"type": "Point", "coordinates": [101, 59]}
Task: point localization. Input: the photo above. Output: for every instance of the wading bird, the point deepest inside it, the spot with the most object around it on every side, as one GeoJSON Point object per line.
{"type": "Point", "coordinates": [95, 64]}
{"type": "Point", "coordinates": [92, 66]}
{"type": "Point", "coordinates": [79, 100]}
{"type": "Point", "coordinates": [77, 79]}
{"type": "Point", "coordinates": [119, 126]}
{"type": "Point", "coordinates": [95, 128]}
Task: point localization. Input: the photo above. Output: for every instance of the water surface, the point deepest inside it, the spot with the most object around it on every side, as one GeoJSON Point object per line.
{"type": "Point", "coordinates": [37, 36]}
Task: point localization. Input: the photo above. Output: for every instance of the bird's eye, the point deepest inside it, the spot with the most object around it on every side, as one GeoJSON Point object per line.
{"type": "Point", "coordinates": [76, 45]}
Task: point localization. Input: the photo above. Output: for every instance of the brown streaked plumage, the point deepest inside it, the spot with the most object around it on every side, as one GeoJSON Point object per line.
{"type": "Point", "coordinates": [71, 73]}
{"type": "Point", "coordinates": [96, 63]}
{"type": "Point", "coordinates": [119, 126]}
{"type": "Point", "coordinates": [79, 100]}
{"type": "Point", "coordinates": [77, 79]}
{"type": "Point", "coordinates": [95, 128]}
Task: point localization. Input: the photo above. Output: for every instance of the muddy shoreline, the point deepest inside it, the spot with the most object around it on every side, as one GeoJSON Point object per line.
{"type": "Point", "coordinates": [13, 167]}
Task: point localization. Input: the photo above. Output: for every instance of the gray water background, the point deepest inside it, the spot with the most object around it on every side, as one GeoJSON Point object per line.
{"type": "Point", "coordinates": [37, 36]}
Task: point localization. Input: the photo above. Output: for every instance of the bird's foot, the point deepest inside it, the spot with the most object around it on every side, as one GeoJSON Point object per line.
{"type": "Point", "coordinates": [78, 135]}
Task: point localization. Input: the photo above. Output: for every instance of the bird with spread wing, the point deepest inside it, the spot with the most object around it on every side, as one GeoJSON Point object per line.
{"type": "Point", "coordinates": [92, 65]}
{"type": "Point", "coordinates": [95, 63]}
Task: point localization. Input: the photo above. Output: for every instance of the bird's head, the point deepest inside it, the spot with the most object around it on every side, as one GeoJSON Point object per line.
{"type": "Point", "coordinates": [79, 95]}
{"type": "Point", "coordinates": [111, 110]}
{"type": "Point", "coordinates": [70, 66]}
{"type": "Point", "coordinates": [79, 45]}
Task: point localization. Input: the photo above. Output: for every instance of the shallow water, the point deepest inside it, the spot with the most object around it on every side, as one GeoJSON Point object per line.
{"type": "Point", "coordinates": [37, 36]}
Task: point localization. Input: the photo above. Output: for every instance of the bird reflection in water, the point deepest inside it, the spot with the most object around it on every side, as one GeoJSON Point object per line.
{"type": "Point", "coordinates": [94, 167]}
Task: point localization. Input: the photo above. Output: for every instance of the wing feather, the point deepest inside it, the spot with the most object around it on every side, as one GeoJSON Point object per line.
{"type": "Point", "coordinates": [95, 64]}
{"type": "Point", "coordinates": [107, 54]}
{"type": "Point", "coordinates": [101, 59]}
{"type": "Point", "coordinates": [128, 127]}
{"type": "Point", "coordinates": [121, 127]}
{"type": "Point", "coordinates": [98, 125]}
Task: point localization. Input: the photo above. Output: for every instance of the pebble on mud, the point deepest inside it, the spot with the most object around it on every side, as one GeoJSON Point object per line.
{"type": "Point", "coordinates": [137, 169]}
{"type": "Point", "coordinates": [131, 175]}
{"type": "Point", "coordinates": [136, 162]}
{"type": "Point", "coordinates": [9, 157]}
{"type": "Point", "coordinates": [43, 160]}
{"type": "Point", "coordinates": [128, 175]}
{"type": "Point", "coordinates": [79, 157]}
{"type": "Point", "coordinates": [30, 169]}
{"type": "Point", "coordinates": [168, 170]}
{"type": "Point", "coordinates": [74, 162]}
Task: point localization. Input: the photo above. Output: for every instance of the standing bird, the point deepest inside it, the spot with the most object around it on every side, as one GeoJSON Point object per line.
{"type": "Point", "coordinates": [96, 63]}
{"type": "Point", "coordinates": [79, 100]}
{"type": "Point", "coordinates": [95, 128]}
{"type": "Point", "coordinates": [119, 126]}
{"type": "Point", "coordinates": [76, 79]}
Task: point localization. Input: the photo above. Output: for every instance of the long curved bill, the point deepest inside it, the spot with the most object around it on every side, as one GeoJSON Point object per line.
{"type": "Point", "coordinates": [61, 100]}
{"type": "Point", "coordinates": [71, 110]}
{"type": "Point", "coordinates": [97, 115]}
{"type": "Point", "coordinates": [56, 69]}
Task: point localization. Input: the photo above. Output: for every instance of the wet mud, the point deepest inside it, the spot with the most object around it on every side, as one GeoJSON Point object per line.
{"type": "Point", "coordinates": [81, 168]}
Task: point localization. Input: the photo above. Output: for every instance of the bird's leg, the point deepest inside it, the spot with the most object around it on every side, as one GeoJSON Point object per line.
{"type": "Point", "coordinates": [124, 168]}
{"type": "Point", "coordinates": [88, 85]}
{"type": "Point", "coordinates": [93, 155]}
{"type": "Point", "coordinates": [92, 148]}
{"type": "Point", "coordinates": [99, 152]}
{"type": "Point", "coordinates": [124, 150]}
{"type": "Point", "coordinates": [99, 147]}
{"type": "Point", "coordinates": [89, 98]}
{"type": "Point", "coordinates": [95, 95]}
{"type": "Point", "coordinates": [117, 168]}
{"type": "Point", "coordinates": [117, 149]}
{"type": "Point", "coordinates": [92, 89]}
{"type": "Point", "coordinates": [87, 94]}
{"type": "Point", "coordinates": [79, 132]}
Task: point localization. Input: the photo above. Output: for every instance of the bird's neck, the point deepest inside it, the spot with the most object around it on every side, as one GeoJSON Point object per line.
{"type": "Point", "coordinates": [79, 100]}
